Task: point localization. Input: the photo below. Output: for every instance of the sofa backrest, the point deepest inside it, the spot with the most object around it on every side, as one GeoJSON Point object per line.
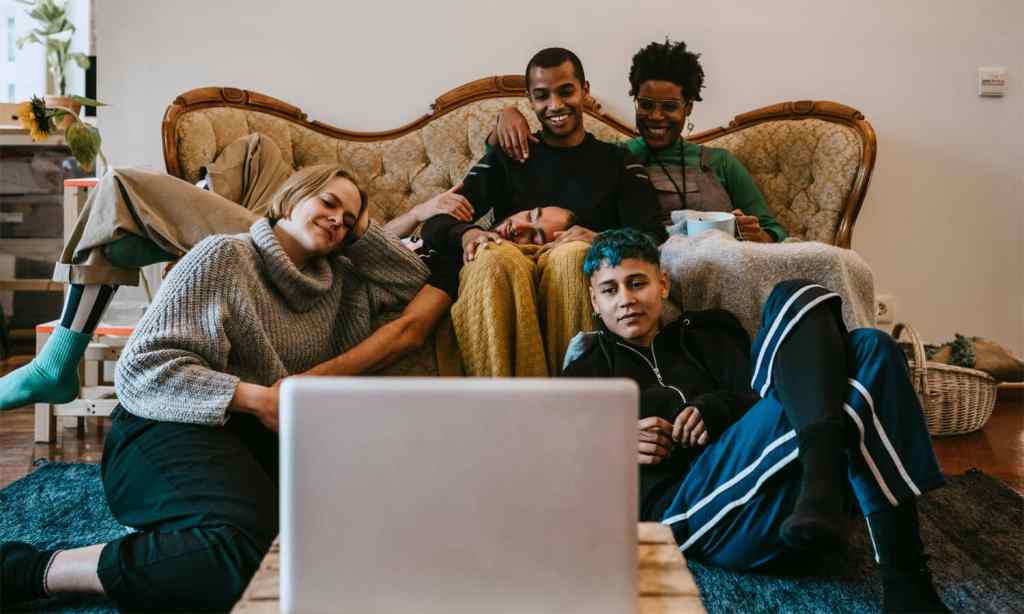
{"type": "Point", "coordinates": [812, 160]}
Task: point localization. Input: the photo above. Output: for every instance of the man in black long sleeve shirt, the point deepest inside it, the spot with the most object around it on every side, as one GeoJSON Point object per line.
{"type": "Point", "coordinates": [567, 168]}
{"type": "Point", "coordinates": [598, 182]}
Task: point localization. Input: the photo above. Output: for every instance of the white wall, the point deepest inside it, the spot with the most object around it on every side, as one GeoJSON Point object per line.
{"type": "Point", "coordinates": [942, 224]}
{"type": "Point", "coordinates": [28, 72]}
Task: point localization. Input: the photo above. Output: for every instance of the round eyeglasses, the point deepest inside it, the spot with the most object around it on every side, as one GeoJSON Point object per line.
{"type": "Point", "coordinates": [647, 106]}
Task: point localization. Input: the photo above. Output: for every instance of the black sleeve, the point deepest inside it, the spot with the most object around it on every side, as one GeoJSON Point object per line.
{"type": "Point", "coordinates": [485, 187]}
{"type": "Point", "coordinates": [637, 203]}
{"type": "Point", "coordinates": [721, 409]}
{"type": "Point", "coordinates": [590, 364]}
{"type": "Point", "coordinates": [662, 402]}
{"type": "Point", "coordinates": [444, 270]}
{"type": "Point", "coordinates": [722, 345]}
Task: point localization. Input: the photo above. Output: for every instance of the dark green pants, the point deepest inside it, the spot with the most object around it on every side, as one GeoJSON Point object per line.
{"type": "Point", "coordinates": [204, 500]}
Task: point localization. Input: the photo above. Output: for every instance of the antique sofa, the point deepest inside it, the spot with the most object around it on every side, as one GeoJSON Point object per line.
{"type": "Point", "coordinates": [812, 160]}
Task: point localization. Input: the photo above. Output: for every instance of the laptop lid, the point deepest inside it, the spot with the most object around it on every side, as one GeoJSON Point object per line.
{"type": "Point", "coordinates": [458, 495]}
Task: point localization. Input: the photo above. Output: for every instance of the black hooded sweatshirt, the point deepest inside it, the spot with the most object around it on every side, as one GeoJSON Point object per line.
{"type": "Point", "coordinates": [701, 359]}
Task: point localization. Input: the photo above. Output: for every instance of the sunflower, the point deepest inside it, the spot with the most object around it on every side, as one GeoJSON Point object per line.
{"type": "Point", "coordinates": [35, 118]}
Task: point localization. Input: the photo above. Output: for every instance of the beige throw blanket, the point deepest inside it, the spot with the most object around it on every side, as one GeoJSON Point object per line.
{"type": "Point", "coordinates": [713, 270]}
{"type": "Point", "coordinates": [173, 214]}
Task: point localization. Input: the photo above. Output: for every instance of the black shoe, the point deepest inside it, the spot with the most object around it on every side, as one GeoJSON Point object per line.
{"type": "Point", "coordinates": [910, 590]}
{"type": "Point", "coordinates": [818, 520]}
{"type": "Point", "coordinates": [906, 582]}
{"type": "Point", "coordinates": [22, 570]}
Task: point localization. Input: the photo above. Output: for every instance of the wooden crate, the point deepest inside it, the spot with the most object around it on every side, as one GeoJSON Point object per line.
{"type": "Point", "coordinates": [665, 583]}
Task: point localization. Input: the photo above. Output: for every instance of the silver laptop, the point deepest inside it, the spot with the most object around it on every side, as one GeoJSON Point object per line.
{"type": "Point", "coordinates": [458, 495]}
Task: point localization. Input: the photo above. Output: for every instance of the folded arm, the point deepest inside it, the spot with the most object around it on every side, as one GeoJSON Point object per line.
{"type": "Point", "coordinates": [393, 272]}
{"type": "Point", "coordinates": [450, 202]}
{"type": "Point", "coordinates": [393, 340]}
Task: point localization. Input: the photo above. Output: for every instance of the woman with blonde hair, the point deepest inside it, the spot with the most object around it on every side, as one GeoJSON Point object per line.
{"type": "Point", "coordinates": [135, 218]}
{"type": "Point", "coordinates": [191, 457]}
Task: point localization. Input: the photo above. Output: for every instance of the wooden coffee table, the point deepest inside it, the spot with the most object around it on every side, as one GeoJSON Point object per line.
{"type": "Point", "coordinates": [665, 584]}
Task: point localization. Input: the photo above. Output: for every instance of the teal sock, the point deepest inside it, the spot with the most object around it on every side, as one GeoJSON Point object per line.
{"type": "Point", "coordinates": [51, 377]}
{"type": "Point", "coordinates": [133, 251]}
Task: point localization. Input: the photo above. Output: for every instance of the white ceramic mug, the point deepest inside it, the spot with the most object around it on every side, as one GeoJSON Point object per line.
{"type": "Point", "coordinates": [701, 221]}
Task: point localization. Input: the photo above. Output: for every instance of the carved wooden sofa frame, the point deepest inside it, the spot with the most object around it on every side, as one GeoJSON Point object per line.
{"type": "Point", "coordinates": [820, 207]}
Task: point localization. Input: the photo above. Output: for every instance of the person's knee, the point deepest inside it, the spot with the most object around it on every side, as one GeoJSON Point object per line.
{"type": "Point", "coordinates": [240, 553]}
{"type": "Point", "coordinates": [781, 292]}
{"type": "Point", "coordinates": [873, 344]}
{"type": "Point", "coordinates": [494, 267]}
{"type": "Point", "coordinates": [572, 252]}
{"type": "Point", "coordinates": [493, 259]}
{"type": "Point", "coordinates": [563, 265]}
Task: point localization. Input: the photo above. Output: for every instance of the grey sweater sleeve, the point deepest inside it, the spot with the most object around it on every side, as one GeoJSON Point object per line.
{"type": "Point", "coordinates": [393, 273]}
{"type": "Point", "coordinates": [172, 368]}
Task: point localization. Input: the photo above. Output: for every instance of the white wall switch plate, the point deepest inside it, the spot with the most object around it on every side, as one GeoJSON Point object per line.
{"type": "Point", "coordinates": [992, 81]}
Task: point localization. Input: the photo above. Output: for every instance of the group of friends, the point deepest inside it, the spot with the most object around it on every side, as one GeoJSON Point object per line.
{"type": "Point", "coordinates": [753, 453]}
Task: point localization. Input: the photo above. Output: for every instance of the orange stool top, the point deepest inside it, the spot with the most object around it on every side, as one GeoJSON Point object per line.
{"type": "Point", "coordinates": [84, 182]}
{"type": "Point", "coordinates": [103, 330]}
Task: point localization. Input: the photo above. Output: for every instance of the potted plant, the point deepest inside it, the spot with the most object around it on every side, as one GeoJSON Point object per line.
{"type": "Point", "coordinates": [54, 34]}
{"type": "Point", "coordinates": [83, 140]}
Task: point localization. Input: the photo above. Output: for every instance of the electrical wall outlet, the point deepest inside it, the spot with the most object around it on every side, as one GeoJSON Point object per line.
{"type": "Point", "coordinates": [885, 309]}
{"type": "Point", "coordinates": [991, 81]}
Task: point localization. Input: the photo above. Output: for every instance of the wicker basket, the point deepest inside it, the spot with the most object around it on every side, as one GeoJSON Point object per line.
{"type": "Point", "coordinates": [955, 400]}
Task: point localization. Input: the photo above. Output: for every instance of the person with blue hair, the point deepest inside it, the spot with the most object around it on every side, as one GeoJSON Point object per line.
{"type": "Point", "coordinates": [750, 454]}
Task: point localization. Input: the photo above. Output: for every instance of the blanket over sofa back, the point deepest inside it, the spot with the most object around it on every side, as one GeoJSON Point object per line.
{"type": "Point", "coordinates": [812, 160]}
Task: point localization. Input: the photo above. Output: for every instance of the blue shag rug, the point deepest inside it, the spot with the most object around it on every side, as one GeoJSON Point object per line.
{"type": "Point", "coordinates": [973, 528]}
{"type": "Point", "coordinates": [60, 505]}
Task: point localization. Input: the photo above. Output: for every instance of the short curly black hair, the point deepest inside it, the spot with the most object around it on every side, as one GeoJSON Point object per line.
{"type": "Point", "coordinates": [668, 61]}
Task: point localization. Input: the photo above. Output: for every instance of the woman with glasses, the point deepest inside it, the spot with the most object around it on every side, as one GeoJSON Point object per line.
{"type": "Point", "coordinates": [665, 80]}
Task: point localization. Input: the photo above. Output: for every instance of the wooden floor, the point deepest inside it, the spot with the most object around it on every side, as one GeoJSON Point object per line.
{"type": "Point", "coordinates": [997, 449]}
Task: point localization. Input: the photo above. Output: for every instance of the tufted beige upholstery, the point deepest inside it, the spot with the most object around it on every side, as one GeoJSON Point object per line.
{"type": "Point", "coordinates": [812, 171]}
{"type": "Point", "coordinates": [804, 168]}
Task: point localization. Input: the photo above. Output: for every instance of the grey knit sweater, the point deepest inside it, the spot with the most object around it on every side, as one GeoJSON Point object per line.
{"type": "Point", "coordinates": [236, 308]}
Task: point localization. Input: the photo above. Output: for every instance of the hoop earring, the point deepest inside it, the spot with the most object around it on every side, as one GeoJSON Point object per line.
{"type": "Point", "coordinates": [689, 126]}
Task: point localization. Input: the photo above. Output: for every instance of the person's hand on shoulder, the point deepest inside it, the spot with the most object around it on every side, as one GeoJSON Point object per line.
{"type": "Point", "coordinates": [477, 238]}
{"type": "Point", "coordinates": [513, 134]}
{"type": "Point", "coordinates": [689, 429]}
{"type": "Point", "coordinates": [653, 441]}
{"type": "Point", "coordinates": [450, 202]}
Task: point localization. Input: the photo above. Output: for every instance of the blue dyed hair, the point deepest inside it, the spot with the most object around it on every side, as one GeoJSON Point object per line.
{"type": "Point", "coordinates": [614, 246]}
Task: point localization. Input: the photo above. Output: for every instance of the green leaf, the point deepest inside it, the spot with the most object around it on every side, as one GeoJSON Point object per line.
{"type": "Point", "coordinates": [61, 31]}
{"type": "Point", "coordinates": [81, 59]}
{"type": "Point", "coordinates": [84, 142]}
{"type": "Point", "coordinates": [88, 102]}
{"type": "Point", "coordinates": [28, 38]}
